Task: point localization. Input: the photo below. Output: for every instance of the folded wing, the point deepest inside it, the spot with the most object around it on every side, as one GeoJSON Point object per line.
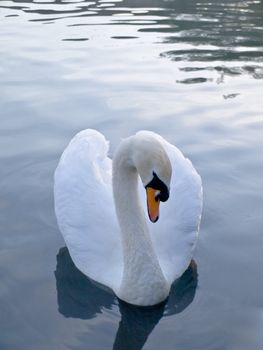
{"type": "Point", "coordinates": [85, 210]}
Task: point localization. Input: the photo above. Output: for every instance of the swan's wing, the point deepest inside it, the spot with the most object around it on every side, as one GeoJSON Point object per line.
{"type": "Point", "coordinates": [85, 209]}
{"type": "Point", "coordinates": [175, 233]}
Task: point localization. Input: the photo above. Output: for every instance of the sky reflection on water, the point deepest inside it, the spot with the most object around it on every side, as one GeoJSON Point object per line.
{"type": "Point", "coordinates": [191, 71]}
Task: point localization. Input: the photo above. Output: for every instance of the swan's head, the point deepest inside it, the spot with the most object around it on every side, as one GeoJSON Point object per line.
{"type": "Point", "coordinates": [155, 170]}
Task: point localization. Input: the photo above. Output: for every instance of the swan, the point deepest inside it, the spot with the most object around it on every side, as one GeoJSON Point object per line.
{"type": "Point", "coordinates": [100, 207]}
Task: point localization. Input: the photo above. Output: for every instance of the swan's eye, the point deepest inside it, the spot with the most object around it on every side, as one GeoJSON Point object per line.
{"type": "Point", "coordinates": [161, 190]}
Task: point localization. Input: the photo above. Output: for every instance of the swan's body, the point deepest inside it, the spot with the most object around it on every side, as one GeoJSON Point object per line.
{"type": "Point", "coordinates": [137, 259]}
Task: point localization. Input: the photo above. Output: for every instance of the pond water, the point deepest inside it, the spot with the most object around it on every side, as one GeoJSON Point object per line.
{"type": "Point", "coordinates": [191, 71]}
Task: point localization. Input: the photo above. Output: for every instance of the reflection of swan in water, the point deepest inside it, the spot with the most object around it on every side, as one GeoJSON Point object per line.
{"type": "Point", "coordinates": [79, 297]}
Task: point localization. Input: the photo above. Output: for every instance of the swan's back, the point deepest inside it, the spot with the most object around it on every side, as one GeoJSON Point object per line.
{"type": "Point", "coordinates": [85, 209]}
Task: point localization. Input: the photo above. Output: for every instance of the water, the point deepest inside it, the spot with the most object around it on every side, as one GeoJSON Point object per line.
{"type": "Point", "coordinates": [191, 71]}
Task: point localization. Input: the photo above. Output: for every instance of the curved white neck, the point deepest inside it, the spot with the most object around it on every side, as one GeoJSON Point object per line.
{"type": "Point", "coordinates": [143, 282]}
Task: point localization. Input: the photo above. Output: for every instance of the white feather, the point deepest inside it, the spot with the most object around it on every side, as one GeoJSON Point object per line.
{"type": "Point", "coordinates": [86, 215]}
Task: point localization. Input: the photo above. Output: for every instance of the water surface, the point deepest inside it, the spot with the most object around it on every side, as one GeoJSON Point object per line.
{"type": "Point", "coordinates": [191, 71]}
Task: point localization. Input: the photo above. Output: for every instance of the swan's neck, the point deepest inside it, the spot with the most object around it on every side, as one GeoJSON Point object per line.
{"type": "Point", "coordinates": [143, 282]}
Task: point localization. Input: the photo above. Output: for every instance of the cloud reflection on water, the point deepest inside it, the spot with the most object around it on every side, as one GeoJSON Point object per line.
{"type": "Point", "coordinates": [228, 36]}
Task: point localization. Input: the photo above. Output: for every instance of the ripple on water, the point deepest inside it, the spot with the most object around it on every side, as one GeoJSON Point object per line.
{"type": "Point", "coordinates": [191, 71]}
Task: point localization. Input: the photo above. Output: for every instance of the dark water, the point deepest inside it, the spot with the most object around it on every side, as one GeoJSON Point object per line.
{"type": "Point", "coordinates": [191, 71]}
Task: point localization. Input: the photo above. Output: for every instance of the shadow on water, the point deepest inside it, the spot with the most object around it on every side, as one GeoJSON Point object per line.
{"type": "Point", "coordinates": [78, 297]}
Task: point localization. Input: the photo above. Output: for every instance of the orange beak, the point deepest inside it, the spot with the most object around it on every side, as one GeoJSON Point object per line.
{"type": "Point", "coordinates": [152, 204]}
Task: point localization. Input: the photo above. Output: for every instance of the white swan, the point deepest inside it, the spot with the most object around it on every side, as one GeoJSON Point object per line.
{"type": "Point", "coordinates": [100, 208]}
